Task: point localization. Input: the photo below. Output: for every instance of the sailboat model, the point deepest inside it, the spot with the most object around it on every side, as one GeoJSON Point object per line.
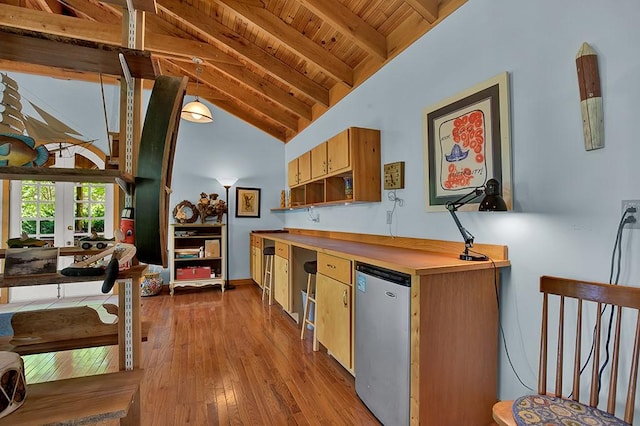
{"type": "Point", "coordinates": [22, 138]}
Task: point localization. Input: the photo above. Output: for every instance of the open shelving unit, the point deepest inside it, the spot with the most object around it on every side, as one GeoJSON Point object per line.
{"type": "Point", "coordinates": [188, 265]}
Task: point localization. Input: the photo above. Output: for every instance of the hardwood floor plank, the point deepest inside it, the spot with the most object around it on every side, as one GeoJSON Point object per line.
{"type": "Point", "coordinates": [223, 359]}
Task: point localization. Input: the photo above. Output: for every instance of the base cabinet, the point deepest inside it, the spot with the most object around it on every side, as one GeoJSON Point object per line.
{"type": "Point", "coordinates": [333, 316]}
{"type": "Point", "coordinates": [334, 307]}
{"type": "Point", "coordinates": [256, 260]}
{"type": "Point", "coordinates": [281, 276]}
{"type": "Point", "coordinates": [196, 255]}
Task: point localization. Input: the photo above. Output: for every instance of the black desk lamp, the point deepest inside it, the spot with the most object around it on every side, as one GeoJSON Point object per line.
{"type": "Point", "coordinates": [492, 201]}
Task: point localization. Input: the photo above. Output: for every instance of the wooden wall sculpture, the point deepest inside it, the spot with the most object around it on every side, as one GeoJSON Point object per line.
{"type": "Point", "coordinates": [154, 169]}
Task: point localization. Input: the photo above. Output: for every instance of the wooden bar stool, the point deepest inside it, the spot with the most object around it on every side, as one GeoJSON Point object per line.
{"type": "Point", "coordinates": [267, 282]}
{"type": "Point", "coordinates": [311, 268]}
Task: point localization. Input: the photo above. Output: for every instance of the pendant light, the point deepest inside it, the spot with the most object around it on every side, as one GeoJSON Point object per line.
{"type": "Point", "coordinates": [196, 111]}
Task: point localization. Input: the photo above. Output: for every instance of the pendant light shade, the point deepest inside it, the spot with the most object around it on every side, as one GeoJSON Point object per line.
{"type": "Point", "coordinates": [196, 112]}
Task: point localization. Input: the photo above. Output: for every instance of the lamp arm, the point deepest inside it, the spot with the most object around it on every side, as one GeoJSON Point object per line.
{"type": "Point", "coordinates": [466, 235]}
{"type": "Point", "coordinates": [476, 192]}
{"type": "Point", "coordinates": [452, 206]}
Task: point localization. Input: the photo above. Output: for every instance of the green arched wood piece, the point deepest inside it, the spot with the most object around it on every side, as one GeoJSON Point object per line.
{"type": "Point", "coordinates": [155, 165]}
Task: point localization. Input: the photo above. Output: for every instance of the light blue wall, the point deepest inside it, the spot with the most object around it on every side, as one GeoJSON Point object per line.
{"type": "Point", "coordinates": [567, 201]}
{"type": "Point", "coordinates": [230, 148]}
{"type": "Point", "coordinates": [225, 148]}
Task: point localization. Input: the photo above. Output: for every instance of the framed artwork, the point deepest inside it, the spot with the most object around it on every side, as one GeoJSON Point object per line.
{"type": "Point", "coordinates": [19, 262]}
{"type": "Point", "coordinates": [467, 142]}
{"type": "Point", "coordinates": [247, 202]}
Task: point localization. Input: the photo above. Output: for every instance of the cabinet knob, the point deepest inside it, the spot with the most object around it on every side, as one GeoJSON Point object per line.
{"type": "Point", "coordinates": [344, 298]}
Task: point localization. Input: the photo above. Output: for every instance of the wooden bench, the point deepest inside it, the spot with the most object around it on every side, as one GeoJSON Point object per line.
{"type": "Point", "coordinates": [81, 400]}
{"type": "Point", "coordinates": [59, 329]}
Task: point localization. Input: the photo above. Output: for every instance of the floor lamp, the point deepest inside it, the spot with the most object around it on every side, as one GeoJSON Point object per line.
{"type": "Point", "coordinates": [227, 183]}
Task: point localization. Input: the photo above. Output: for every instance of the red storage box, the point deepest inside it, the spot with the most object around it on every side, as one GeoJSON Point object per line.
{"type": "Point", "coordinates": [193, 273]}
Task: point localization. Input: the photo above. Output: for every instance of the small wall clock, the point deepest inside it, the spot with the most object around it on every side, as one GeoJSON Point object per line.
{"type": "Point", "coordinates": [394, 175]}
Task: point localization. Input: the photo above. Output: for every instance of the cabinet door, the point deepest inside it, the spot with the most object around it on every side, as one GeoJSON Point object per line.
{"type": "Point", "coordinates": [257, 264]}
{"type": "Point", "coordinates": [333, 317]}
{"type": "Point", "coordinates": [292, 173]}
{"type": "Point", "coordinates": [319, 161]}
{"type": "Point", "coordinates": [338, 152]}
{"type": "Point", "coordinates": [281, 275]}
{"type": "Point", "coordinates": [304, 167]}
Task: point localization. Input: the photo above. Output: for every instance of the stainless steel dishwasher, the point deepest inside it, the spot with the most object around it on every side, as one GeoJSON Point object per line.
{"type": "Point", "coordinates": [382, 342]}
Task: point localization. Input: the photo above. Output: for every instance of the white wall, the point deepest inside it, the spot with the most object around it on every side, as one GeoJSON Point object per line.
{"type": "Point", "coordinates": [567, 202]}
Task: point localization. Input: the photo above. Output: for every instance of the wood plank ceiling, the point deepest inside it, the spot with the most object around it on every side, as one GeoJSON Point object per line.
{"type": "Point", "coordinates": [276, 64]}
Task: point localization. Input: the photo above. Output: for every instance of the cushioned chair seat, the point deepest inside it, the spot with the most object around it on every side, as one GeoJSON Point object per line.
{"type": "Point", "coordinates": [311, 267]}
{"type": "Point", "coordinates": [548, 410]}
{"type": "Point", "coordinates": [269, 251]}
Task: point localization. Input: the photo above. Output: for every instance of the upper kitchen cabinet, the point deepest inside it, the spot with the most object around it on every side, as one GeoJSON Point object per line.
{"type": "Point", "coordinates": [344, 169]}
{"type": "Point", "coordinates": [299, 170]}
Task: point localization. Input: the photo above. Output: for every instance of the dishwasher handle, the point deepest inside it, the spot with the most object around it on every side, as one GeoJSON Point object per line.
{"type": "Point", "coordinates": [384, 274]}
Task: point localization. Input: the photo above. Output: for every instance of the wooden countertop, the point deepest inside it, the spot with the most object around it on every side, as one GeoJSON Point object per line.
{"type": "Point", "coordinates": [410, 261]}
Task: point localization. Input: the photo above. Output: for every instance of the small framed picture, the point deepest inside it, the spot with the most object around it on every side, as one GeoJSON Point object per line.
{"type": "Point", "coordinates": [247, 202]}
{"type": "Point", "coordinates": [19, 262]}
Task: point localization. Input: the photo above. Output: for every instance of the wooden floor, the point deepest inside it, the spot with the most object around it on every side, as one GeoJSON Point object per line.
{"type": "Point", "coordinates": [219, 359]}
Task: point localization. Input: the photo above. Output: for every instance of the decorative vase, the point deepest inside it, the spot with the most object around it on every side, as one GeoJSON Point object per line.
{"type": "Point", "coordinates": [348, 187]}
{"type": "Point", "coordinates": [151, 284]}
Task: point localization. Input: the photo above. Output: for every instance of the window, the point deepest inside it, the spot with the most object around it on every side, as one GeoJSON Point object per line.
{"type": "Point", "coordinates": [38, 209]}
{"type": "Point", "coordinates": [62, 212]}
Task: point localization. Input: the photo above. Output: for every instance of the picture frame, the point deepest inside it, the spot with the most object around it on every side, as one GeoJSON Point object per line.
{"type": "Point", "coordinates": [247, 202]}
{"type": "Point", "coordinates": [20, 262]}
{"type": "Point", "coordinates": [467, 141]}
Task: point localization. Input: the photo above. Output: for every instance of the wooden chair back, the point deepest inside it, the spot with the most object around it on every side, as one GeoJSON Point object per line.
{"type": "Point", "coordinates": [623, 298]}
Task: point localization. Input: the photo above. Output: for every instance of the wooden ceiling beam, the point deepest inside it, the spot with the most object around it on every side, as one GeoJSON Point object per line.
{"type": "Point", "coordinates": [172, 47]}
{"type": "Point", "coordinates": [94, 11]}
{"type": "Point", "coordinates": [33, 20]}
{"type": "Point", "coordinates": [428, 9]}
{"type": "Point", "coordinates": [349, 24]}
{"type": "Point", "coordinates": [303, 46]}
{"type": "Point", "coordinates": [230, 105]}
{"type": "Point", "coordinates": [140, 5]}
{"type": "Point", "coordinates": [18, 17]}
{"type": "Point", "coordinates": [64, 52]}
{"type": "Point", "coordinates": [234, 91]}
{"type": "Point", "coordinates": [212, 29]}
{"type": "Point", "coordinates": [169, 45]}
{"type": "Point", "coordinates": [263, 124]}
{"type": "Point", "coordinates": [59, 73]}
{"type": "Point", "coordinates": [266, 89]}
{"type": "Point", "coordinates": [51, 6]}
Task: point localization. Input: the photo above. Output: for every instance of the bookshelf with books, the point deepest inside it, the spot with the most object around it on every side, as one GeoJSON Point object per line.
{"type": "Point", "coordinates": [196, 255]}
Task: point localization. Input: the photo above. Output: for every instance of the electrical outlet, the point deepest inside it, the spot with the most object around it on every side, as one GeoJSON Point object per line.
{"type": "Point", "coordinates": [389, 217]}
{"type": "Point", "coordinates": [632, 203]}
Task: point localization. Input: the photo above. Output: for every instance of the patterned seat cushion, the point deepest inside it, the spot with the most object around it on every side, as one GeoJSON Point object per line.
{"type": "Point", "coordinates": [550, 411]}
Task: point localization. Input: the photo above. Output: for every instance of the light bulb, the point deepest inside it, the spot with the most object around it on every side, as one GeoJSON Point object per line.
{"type": "Point", "coordinates": [196, 116]}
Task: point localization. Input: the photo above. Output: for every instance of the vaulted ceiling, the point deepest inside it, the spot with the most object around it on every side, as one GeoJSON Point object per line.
{"type": "Point", "coordinates": [276, 64]}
